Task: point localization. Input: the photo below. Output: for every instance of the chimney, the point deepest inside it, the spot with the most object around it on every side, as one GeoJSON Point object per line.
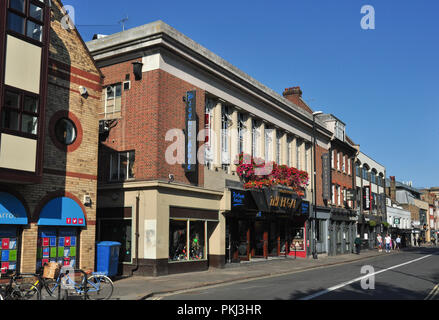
{"type": "Point", "coordinates": [392, 189]}
{"type": "Point", "coordinates": [294, 94]}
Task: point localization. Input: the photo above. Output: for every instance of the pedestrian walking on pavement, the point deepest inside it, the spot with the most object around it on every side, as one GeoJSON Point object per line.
{"type": "Point", "coordinates": [398, 243]}
{"type": "Point", "coordinates": [380, 243]}
{"type": "Point", "coordinates": [358, 243]}
{"type": "Point", "coordinates": [387, 240]}
{"type": "Point", "coordinates": [419, 241]}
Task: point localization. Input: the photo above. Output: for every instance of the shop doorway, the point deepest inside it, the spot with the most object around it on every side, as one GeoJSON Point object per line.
{"type": "Point", "coordinates": [259, 240]}
{"type": "Point", "coordinates": [120, 231]}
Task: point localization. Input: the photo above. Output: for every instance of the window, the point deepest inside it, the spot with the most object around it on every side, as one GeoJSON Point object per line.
{"type": "Point", "coordinates": [344, 163]}
{"type": "Point", "coordinates": [333, 195]}
{"type": "Point", "coordinates": [241, 133]}
{"type": "Point", "coordinates": [365, 174]}
{"type": "Point", "coordinates": [208, 122]}
{"type": "Point", "coordinates": [113, 98]}
{"type": "Point", "coordinates": [338, 196]}
{"type": "Point", "coordinates": [357, 170]}
{"type": "Point", "coordinates": [307, 157]}
{"type": "Point", "coordinates": [9, 249]}
{"type": "Point", "coordinates": [290, 147]}
{"type": "Point", "coordinates": [122, 166]}
{"type": "Point", "coordinates": [26, 17]}
{"type": "Point", "coordinates": [255, 138]}
{"type": "Point", "coordinates": [333, 159]}
{"type": "Point", "coordinates": [57, 244]}
{"type": "Point", "coordinates": [338, 161]}
{"type": "Point", "coordinates": [373, 177]}
{"type": "Point", "coordinates": [225, 145]}
{"type": "Point", "coordinates": [20, 112]}
{"type": "Point", "coordinates": [187, 240]}
{"type": "Point", "coordinates": [278, 147]}
{"type": "Point", "coordinates": [349, 166]}
{"type": "Point", "coordinates": [268, 145]}
{"type": "Point", "coordinates": [339, 131]}
{"type": "Point", "coordinates": [298, 155]}
{"type": "Point", "coordinates": [65, 131]}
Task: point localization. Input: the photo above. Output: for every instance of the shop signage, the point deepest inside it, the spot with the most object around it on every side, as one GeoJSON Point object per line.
{"type": "Point", "coordinates": [326, 176]}
{"type": "Point", "coordinates": [396, 221]}
{"type": "Point", "coordinates": [191, 133]}
{"type": "Point", "coordinates": [238, 199]}
{"type": "Point", "coordinates": [278, 200]}
{"type": "Point", "coordinates": [366, 198]}
{"type": "Point", "coordinates": [12, 210]}
{"type": "Point", "coordinates": [350, 195]}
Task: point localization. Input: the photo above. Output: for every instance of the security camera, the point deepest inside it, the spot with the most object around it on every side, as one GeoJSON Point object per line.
{"type": "Point", "coordinates": [83, 91]}
{"type": "Point", "coordinates": [171, 178]}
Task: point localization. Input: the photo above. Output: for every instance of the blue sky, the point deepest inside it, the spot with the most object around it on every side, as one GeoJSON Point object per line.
{"type": "Point", "coordinates": [382, 83]}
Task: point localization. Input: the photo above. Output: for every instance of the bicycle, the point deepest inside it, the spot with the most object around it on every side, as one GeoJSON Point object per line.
{"type": "Point", "coordinates": [94, 287]}
{"type": "Point", "coordinates": [18, 289]}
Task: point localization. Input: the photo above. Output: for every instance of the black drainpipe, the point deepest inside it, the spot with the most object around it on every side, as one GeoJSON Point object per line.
{"type": "Point", "coordinates": [137, 234]}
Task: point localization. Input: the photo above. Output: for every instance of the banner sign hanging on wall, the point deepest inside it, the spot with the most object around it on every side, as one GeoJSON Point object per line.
{"type": "Point", "coordinates": [191, 133]}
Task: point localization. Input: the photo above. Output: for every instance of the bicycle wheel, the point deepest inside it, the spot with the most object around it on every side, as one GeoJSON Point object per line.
{"type": "Point", "coordinates": [26, 291]}
{"type": "Point", "coordinates": [99, 287]}
{"type": "Point", "coordinates": [50, 290]}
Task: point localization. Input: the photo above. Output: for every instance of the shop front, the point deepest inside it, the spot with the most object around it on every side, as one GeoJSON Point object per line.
{"type": "Point", "coordinates": [342, 231]}
{"type": "Point", "coordinates": [266, 223]}
{"type": "Point", "coordinates": [59, 228]}
{"type": "Point", "coordinates": [13, 217]}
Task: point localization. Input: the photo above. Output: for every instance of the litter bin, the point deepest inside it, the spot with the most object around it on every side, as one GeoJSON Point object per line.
{"type": "Point", "coordinates": [108, 257]}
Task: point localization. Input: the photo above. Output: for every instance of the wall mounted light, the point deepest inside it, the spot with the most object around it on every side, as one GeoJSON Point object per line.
{"type": "Point", "coordinates": [137, 70]}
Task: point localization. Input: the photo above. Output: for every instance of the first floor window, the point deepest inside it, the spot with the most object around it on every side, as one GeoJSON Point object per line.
{"type": "Point", "coordinates": [20, 112]}
{"type": "Point", "coordinates": [25, 19]}
{"type": "Point", "coordinates": [187, 240]}
{"type": "Point", "coordinates": [122, 165]}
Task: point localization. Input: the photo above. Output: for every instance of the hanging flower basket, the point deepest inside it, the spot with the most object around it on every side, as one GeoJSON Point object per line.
{"type": "Point", "coordinates": [256, 174]}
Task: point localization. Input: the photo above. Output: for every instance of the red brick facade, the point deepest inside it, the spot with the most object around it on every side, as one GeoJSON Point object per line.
{"type": "Point", "coordinates": [150, 108]}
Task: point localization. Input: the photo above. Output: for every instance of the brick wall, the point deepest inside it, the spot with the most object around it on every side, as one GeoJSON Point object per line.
{"type": "Point", "coordinates": [149, 109]}
{"type": "Point", "coordinates": [340, 178]}
{"type": "Point", "coordinates": [73, 174]}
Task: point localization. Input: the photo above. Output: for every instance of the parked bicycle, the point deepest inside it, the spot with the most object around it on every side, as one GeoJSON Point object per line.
{"type": "Point", "coordinates": [19, 287]}
{"type": "Point", "coordinates": [86, 285]}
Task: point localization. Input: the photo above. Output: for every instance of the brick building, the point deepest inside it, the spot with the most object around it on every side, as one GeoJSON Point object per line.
{"type": "Point", "coordinates": [49, 94]}
{"type": "Point", "coordinates": [371, 198]}
{"type": "Point", "coordinates": [154, 78]}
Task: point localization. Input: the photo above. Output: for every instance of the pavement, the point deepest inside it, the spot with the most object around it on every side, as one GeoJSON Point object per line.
{"type": "Point", "coordinates": [142, 288]}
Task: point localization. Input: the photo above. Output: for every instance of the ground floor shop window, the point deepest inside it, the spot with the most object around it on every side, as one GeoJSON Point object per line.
{"type": "Point", "coordinates": [187, 240]}
{"type": "Point", "coordinates": [56, 244]}
{"type": "Point", "coordinates": [298, 240]}
{"type": "Point", "coordinates": [9, 248]}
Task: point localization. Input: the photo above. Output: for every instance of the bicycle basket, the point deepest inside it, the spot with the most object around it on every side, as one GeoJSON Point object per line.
{"type": "Point", "coordinates": [51, 270]}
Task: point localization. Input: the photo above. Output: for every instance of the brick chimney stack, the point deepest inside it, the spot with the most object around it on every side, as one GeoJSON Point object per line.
{"type": "Point", "coordinates": [392, 189]}
{"type": "Point", "coordinates": [294, 94]}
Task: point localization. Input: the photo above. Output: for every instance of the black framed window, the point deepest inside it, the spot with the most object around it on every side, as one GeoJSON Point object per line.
{"type": "Point", "coordinates": [20, 112]}
{"type": "Point", "coordinates": [65, 131]}
{"type": "Point", "coordinates": [122, 165]}
{"type": "Point", "coordinates": [26, 18]}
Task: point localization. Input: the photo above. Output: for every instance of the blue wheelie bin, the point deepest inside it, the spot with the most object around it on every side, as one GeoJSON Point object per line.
{"type": "Point", "coordinates": [107, 257]}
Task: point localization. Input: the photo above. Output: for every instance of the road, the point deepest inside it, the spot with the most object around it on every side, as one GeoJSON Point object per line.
{"type": "Point", "coordinates": [410, 275]}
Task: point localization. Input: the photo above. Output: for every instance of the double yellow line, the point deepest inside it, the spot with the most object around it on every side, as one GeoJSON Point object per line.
{"type": "Point", "coordinates": [433, 294]}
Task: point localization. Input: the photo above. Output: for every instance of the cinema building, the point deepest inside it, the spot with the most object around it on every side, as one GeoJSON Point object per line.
{"type": "Point", "coordinates": [48, 139]}
{"type": "Point", "coordinates": [178, 214]}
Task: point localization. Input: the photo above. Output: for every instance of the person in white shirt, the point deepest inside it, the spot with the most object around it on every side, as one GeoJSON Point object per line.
{"type": "Point", "coordinates": [398, 243]}
{"type": "Point", "coordinates": [387, 239]}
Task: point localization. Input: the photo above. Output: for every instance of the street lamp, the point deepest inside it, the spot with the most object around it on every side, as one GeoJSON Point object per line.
{"type": "Point", "coordinates": [314, 249]}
